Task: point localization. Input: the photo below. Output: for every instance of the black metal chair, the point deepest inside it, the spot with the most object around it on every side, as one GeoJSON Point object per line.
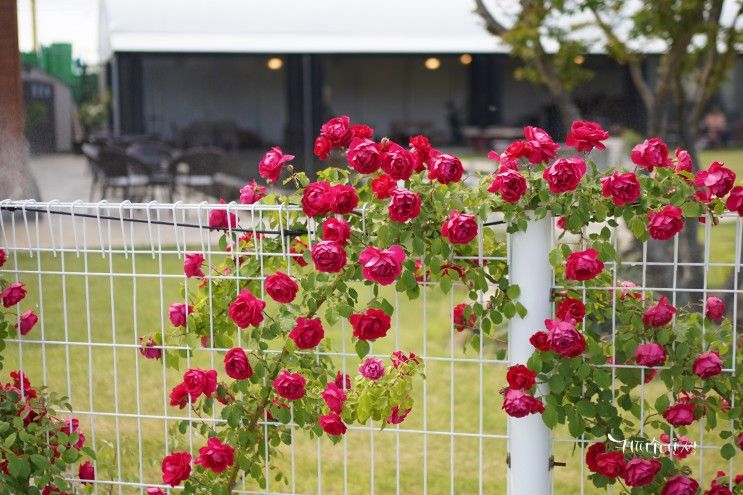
{"type": "Point", "coordinates": [156, 159]}
{"type": "Point", "coordinates": [195, 168]}
{"type": "Point", "coordinates": [115, 171]}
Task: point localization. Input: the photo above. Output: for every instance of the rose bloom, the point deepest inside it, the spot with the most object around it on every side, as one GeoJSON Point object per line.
{"type": "Point", "coordinates": [609, 464]}
{"type": "Point", "coordinates": [383, 186]}
{"type": "Point", "coordinates": [322, 147]}
{"type": "Point", "coordinates": [336, 230]}
{"type": "Point", "coordinates": [515, 151]}
{"type": "Point", "coordinates": [623, 188]}
{"type": "Point", "coordinates": [216, 456]}
{"type": "Point", "coordinates": [583, 265]}
{"type": "Point", "coordinates": [27, 321]}
{"type": "Point", "coordinates": [510, 184]}
{"type": "Point", "coordinates": [395, 417]}
{"type": "Point", "coordinates": [445, 168]}
{"type": "Point", "coordinates": [405, 205]}
{"type": "Point", "coordinates": [715, 309]}
{"type": "Point", "coordinates": [298, 247]}
{"type": "Point", "coordinates": [343, 199]}
{"type": "Point", "coordinates": [739, 441]}
{"type": "Point", "coordinates": [3, 257]}
{"type": "Point", "coordinates": [683, 161]}
{"type": "Point", "coordinates": [290, 385]}
{"type": "Point", "coordinates": [681, 485]}
{"type": "Point", "coordinates": [338, 131]}
{"type": "Point", "coordinates": [459, 228]}
{"type": "Point", "coordinates": [362, 131]}
{"type": "Point", "coordinates": [504, 161]}
{"type": "Point", "coordinates": [307, 333]}
{"type": "Point", "coordinates": [382, 266]}
{"type": "Point", "coordinates": [640, 472]}
{"type": "Point", "coordinates": [334, 397]}
{"type": "Point", "coordinates": [716, 488]}
{"type": "Point", "coordinates": [399, 358]}
{"type": "Point", "coordinates": [281, 287]}
{"type": "Point", "coordinates": [397, 162]}
{"type": "Point", "coordinates": [565, 174]}
{"type": "Point", "coordinates": [270, 165]}
{"type": "Point", "coordinates": [13, 294]}
{"type": "Point", "coordinates": [584, 136]}
{"type": "Point", "coordinates": [236, 364]}
{"type": "Point", "coordinates": [328, 256]}
{"type": "Point", "coordinates": [651, 153]}
{"type": "Point", "coordinates": [246, 310]}
{"type": "Point", "coordinates": [718, 179]}
{"type": "Point", "coordinates": [681, 414]}
{"type": "Point", "coordinates": [148, 349]}
{"type": "Point", "coordinates": [363, 156]}
{"type": "Point", "coordinates": [198, 381]}
{"type": "Point", "coordinates": [316, 199]}
{"type": "Point", "coordinates": [540, 341]}
{"type": "Point", "coordinates": [154, 491]}
{"type": "Point", "coordinates": [682, 447]}
{"type": "Point", "coordinates": [520, 377]}
{"type": "Point", "coordinates": [176, 468]}
{"type": "Point", "coordinates": [332, 424]}
{"type": "Point", "coordinates": [86, 472]}
{"type": "Point", "coordinates": [252, 193]}
{"type": "Point", "coordinates": [179, 396]}
{"type": "Point", "coordinates": [220, 219]}
{"type": "Point", "coordinates": [343, 380]}
{"type": "Point", "coordinates": [542, 147]}
{"type": "Point", "coordinates": [372, 368]}
{"type": "Point", "coordinates": [458, 318]}
{"type": "Point", "coordinates": [371, 325]}
{"type": "Point", "coordinates": [564, 338]}
{"type": "Point", "coordinates": [650, 355]}
{"type": "Point", "coordinates": [734, 202]}
{"type": "Point", "coordinates": [192, 265]}
{"type": "Point", "coordinates": [518, 404]}
{"type": "Point", "coordinates": [178, 313]}
{"type": "Point", "coordinates": [660, 314]}
{"type": "Point", "coordinates": [707, 364]}
{"type": "Point", "coordinates": [570, 308]}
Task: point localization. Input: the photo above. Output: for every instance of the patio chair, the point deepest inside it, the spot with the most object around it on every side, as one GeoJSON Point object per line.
{"type": "Point", "coordinates": [196, 167]}
{"type": "Point", "coordinates": [155, 158]}
{"type": "Point", "coordinates": [115, 171]}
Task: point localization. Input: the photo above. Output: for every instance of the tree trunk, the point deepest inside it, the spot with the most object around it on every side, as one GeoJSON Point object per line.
{"type": "Point", "coordinates": [15, 177]}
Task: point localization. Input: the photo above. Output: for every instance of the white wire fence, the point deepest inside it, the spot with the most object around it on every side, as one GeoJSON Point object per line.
{"type": "Point", "coordinates": [101, 276]}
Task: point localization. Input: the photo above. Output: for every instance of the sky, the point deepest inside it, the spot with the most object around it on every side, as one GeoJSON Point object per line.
{"type": "Point", "coordinates": [74, 21]}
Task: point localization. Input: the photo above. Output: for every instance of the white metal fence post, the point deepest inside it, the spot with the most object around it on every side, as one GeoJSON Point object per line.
{"type": "Point", "coordinates": [529, 438]}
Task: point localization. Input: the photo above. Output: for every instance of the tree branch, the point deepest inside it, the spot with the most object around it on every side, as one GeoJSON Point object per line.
{"type": "Point", "coordinates": [491, 23]}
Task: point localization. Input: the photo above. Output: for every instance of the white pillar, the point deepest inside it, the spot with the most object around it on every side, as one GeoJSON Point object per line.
{"type": "Point", "coordinates": [529, 438]}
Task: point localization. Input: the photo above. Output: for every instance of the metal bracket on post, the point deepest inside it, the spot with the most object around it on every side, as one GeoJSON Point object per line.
{"type": "Point", "coordinates": [529, 446]}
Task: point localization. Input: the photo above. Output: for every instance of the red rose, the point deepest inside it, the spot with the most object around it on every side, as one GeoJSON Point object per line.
{"type": "Point", "coordinates": [338, 131]}
{"type": "Point", "coordinates": [383, 186]}
{"type": "Point", "coordinates": [518, 404]}
{"type": "Point", "coordinates": [220, 219]}
{"type": "Point", "coordinates": [372, 368]}
{"type": "Point", "coordinates": [27, 321]}
{"type": "Point", "coordinates": [660, 314]}
{"type": "Point", "coordinates": [362, 131]}
{"type": "Point", "coordinates": [397, 162]}
{"type": "Point", "coordinates": [584, 136]}
{"type": "Point", "coordinates": [565, 174]}
{"type": "Point", "coordinates": [246, 310]}
{"type": "Point", "coordinates": [371, 325]}
{"type": "Point", "coordinates": [307, 333]}
{"type": "Point", "coordinates": [592, 452]}
{"type": "Point", "coordinates": [176, 468]}
{"type": "Point", "coordinates": [332, 424]}
{"type": "Point", "coordinates": [396, 417]}
{"type": "Point", "coordinates": [510, 184]}
{"type": "Point", "coordinates": [178, 313]}
{"type": "Point", "coordinates": [570, 308]}
{"type": "Point", "coordinates": [405, 205]}
{"type": "Point", "coordinates": [564, 338]}
{"type": "Point", "coordinates": [734, 202]}
{"type": "Point", "coordinates": [86, 472]}
{"type": "Point", "coordinates": [316, 199]}
{"type": "Point", "coordinates": [148, 349]}
{"type": "Point", "coordinates": [179, 396]}
{"type": "Point", "coordinates": [289, 385]}
{"type": "Point", "coordinates": [650, 355]}
{"type": "Point", "coordinates": [718, 179]}
{"type": "Point", "coordinates": [651, 153]}
{"type": "Point", "coordinates": [399, 358]}
{"type": "Point", "coordinates": [297, 249]}
{"type": "Point", "coordinates": [334, 397]}
{"type": "Point", "coordinates": [281, 287]}
{"type": "Point", "coordinates": [458, 318]}
{"type": "Point", "coordinates": [270, 165]}
{"type": "Point", "coordinates": [640, 472]}
{"type": "Point", "coordinates": [623, 188]}
{"type": "Point", "coordinates": [363, 156]}
{"type": "Point", "coordinates": [682, 447]}
{"type": "Point", "coordinates": [381, 265]}
{"type": "Point", "coordinates": [583, 265]}
{"type": "Point", "coordinates": [681, 414]}
{"type": "Point", "coordinates": [216, 456]}
{"type": "Point", "coordinates": [198, 381]}
{"type": "Point", "coordinates": [445, 168]}
{"type": "Point", "coordinates": [328, 256]}
{"type": "Point", "coordinates": [252, 193]}
{"type": "Point", "coordinates": [322, 147]}
{"type": "Point", "coordinates": [681, 485]}
{"type": "Point", "coordinates": [521, 377]}
{"type": "Point", "coordinates": [13, 294]}
{"type": "Point", "coordinates": [459, 228]}
{"type": "Point", "coordinates": [715, 309]}
{"type": "Point", "coordinates": [739, 441]}
{"type": "Point", "coordinates": [192, 265]}
{"type": "Point", "coordinates": [540, 341]}
{"type": "Point", "coordinates": [610, 464]}
{"type": "Point", "coordinates": [683, 161]}
{"type": "Point", "coordinates": [3, 257]}
{"type": "Point", "coordinates": [542, 147]}
{"type": "Point", "coordinates": [343, 380]}
{"type": "Point", "coordinates": [343, 199]}
{"type": "Point", "coordinates": [707, 364]}
{"type": "Point", "coordinates": [236, 364]}
{"type": "Point", "coordinates": [422, 151]}
{"type": "Point", "coordinates": [516, 150]}
{"type": "Point", "coordinates": [336, 230]}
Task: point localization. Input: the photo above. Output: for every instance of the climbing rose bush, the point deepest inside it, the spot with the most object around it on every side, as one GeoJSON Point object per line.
{"type": "Point", "coordinates": [400, 215]}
